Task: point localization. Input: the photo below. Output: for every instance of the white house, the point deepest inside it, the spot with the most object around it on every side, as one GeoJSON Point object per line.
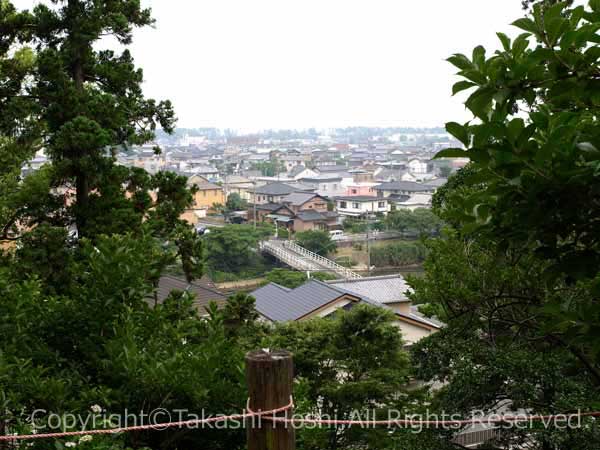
{"type": "Point", "coordinates": [362, 205]}
{"type": "Point", "coordinates": [418, 167]}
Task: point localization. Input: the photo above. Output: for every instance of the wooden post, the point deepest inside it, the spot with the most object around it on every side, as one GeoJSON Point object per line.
{"type": "Point", "coordinates": [269, 376]}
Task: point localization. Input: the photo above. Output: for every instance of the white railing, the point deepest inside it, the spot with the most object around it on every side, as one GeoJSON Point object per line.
{"type": "Point", "coordinates": [342, 271]}
{"type": "Point", "coordinates": [288, 257]}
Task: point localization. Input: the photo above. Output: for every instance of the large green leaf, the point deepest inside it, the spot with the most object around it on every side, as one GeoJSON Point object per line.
{"type": "Point", "coordinates": [526, 24]}
{"type": "Point", "coordinates": [459, 131]}
{"type": "Point", "coordinates": [451, 153]}
{"type": "Point", "coordinates": [461, 86]}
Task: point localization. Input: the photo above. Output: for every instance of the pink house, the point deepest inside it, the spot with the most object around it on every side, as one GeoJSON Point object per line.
{"type": "Point", "coordinates": [361, 189]}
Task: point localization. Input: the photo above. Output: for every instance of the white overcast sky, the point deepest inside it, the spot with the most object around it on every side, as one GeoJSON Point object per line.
{"type": "Point", "coordinates": [253, 64]}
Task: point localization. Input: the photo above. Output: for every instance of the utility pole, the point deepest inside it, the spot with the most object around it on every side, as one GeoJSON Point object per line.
{"type": "Point", "coordinates": [254, 202]}
{"type": "Point", "coordinates": [269, 375]}
{"type": "Point", "coordinates": [368, 249]}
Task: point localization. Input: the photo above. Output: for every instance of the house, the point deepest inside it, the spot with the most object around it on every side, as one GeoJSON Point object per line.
{"type": "Point", "coordinates": [293, 159]}
{"type": "Point", "coordinates": [359, 206]}
{"type": "Point", "coordinates": [238, 185]}
{"type": "Point", "coordinates": [273, 192]}
{"type": "Point", "coordinates": [419, 167]}
{"type": "Point", "coordinates": [385, 175]}
{"type": "Point", "coordinates": [400, 188]}
{"type": "Point", "coordinates": [204, 291]}
{"type": "Point", "coordinates": [360, 189]}
{"type": "Point", "coordinates": [362, 176]}
{"type": "Point", "coordinates": [315, 299]}
{"type": "Point", "coordinates": [207, 195]}
{"type": "Point", "coordinates": [414, 201]}
{"type": "Point", "coordinates": [299, 172]}
{"type": "Point", "coordinates": [325, 184]}
{"type": "Point", "coordinates": [301, 201]}
{"type": "Point", "coordinates": [300, 211]}
{"type": "Point", "coordinates": [204, 171]}
{"type": "Point", "coordinates": [391, 291]}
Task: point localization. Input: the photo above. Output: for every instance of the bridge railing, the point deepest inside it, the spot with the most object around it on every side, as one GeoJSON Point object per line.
{"type": "Point", "coordinates": [340, 270]}
{"type": "Point", "coordinates": [287, 256]}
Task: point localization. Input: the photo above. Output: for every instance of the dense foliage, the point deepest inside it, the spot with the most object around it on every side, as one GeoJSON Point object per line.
{"type": "Point", "coordinates": [420, 221]}
{"type": "Point", "coordinates": [319, 242]}
{"type": "Point", "coordinates": [346, 366]}
{"type": "Point", "coordinates": [292, 278]}
{"type": "Point", "coordinates": [396, 254]}
{"type": "Point", "coordinates": [516, 277]}
{"type": "Point", "coordinates": [233, 249]}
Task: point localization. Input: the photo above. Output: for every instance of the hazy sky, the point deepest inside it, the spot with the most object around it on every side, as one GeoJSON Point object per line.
{"type": "Point", "coordinates": [252, 64]}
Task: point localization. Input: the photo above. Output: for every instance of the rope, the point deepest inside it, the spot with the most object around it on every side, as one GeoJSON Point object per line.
{"type": "Point", "coordinates": [414, 422]}
{"type": "Point", "coordinates": [158, 426]}
{"type": "Point", "coordinates": [301, 421]}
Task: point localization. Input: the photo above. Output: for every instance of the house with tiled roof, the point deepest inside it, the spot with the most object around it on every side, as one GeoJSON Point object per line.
{"type": "Point", "coordinates": [274, 192]}
{"type": "Point", "coordinates": [207, 194]}
{"type": "Point", "coordinates": [316, 299]}
{"type": "Point", "coordinates": [203, 291]}
{"type": "Point", "coordinates": [361, 205]}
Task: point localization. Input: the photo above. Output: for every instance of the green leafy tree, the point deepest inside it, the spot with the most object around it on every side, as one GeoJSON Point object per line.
{"type": "Point", "coordinates": [101, 343]}
{"type": "Point", "coordinates": [421, 220]}
{"type": "Point", "coordinates": [319, 242]}
{"type": "Point", "coordinates": [83, 103]}
{"type": "Point", "coordinates": [535, 149]}
{"type": "Point", "coordinates": [342, 365]}
{"type": "Point", "coordinates": [516, 278]}
{"type": "Point", "coordinates": [234, 247]}
{"type": "Point", "coordinates": [235, 202]}
{"type": "Point", "coordinates": [270, 168]}
{"type": "Point", "coordinates": [292, 279]}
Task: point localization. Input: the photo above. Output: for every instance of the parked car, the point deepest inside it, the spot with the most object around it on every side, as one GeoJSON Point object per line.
{"type": "Point", "coordinates": [336, 234]}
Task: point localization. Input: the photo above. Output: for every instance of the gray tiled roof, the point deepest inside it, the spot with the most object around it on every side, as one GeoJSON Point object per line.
{"type": "Point", "coordinates": [276, 189]}
{"type": "Point", "coordinates": [204, 291]}
{"type": "Point", "coordinates": [383, 289]}
{"type": "Point", "coordinates": [309, 215]}
{"type": "Point", "coordinates": [280, 304]}
{"type": "Point", "coordinates": [417, 315]}
{"type": "Point", "coordinates": [437, 182]}
{"type": "Point", "coordinates": [408, 186]}
{"type": "Point", "coordinates": [298, 198]}
{"type": "Point", "coordinates": [296, 170]}
{"type": "Point", "coordinates": [269, 206]}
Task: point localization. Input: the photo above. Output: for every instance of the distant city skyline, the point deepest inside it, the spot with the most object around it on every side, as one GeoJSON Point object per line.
{"type": "Point", "coordinates": [283, 64]}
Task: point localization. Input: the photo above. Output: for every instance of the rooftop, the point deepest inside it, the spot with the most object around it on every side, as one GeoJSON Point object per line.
{"type": "Point", "coordinates": [383, 289]}
{"type": "Point", "coordinates": [203, 289]}
{"type": "Point", "coordinates": [299, 198]}
{"type": "Point", "coordinates": [361, 198]}
{"type": "Point", "coordinates": [276, 189]}
{"type": "Point", "coordinates": [408, 186]}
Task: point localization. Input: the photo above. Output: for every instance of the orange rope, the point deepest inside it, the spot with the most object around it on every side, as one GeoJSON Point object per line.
{"type": "Point", "coordinates": [301, 421]}
{"type": "Point", "coordinates": [157, 426]}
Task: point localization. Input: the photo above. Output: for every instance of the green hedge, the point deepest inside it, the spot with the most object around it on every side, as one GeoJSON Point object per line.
{"type": "Point", "coordinates": [398, 254]}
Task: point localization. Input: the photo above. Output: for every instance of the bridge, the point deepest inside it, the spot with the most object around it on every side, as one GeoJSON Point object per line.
{"type": "Point", "coordinates": [299, 258]}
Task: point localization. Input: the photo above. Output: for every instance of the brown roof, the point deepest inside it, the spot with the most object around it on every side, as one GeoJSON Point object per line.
{"type": "Point", "coordinates": [204, 290]}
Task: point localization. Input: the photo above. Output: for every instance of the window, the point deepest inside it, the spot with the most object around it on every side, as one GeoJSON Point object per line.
{"type": "Point", "coordinates": [356, 205]}
{"type": "Point", "coordinates": [343, 205]}
{"type": "Point", "coordinates": [354, 191]}
{"type": "Point", "coordinates": [382, 204]}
